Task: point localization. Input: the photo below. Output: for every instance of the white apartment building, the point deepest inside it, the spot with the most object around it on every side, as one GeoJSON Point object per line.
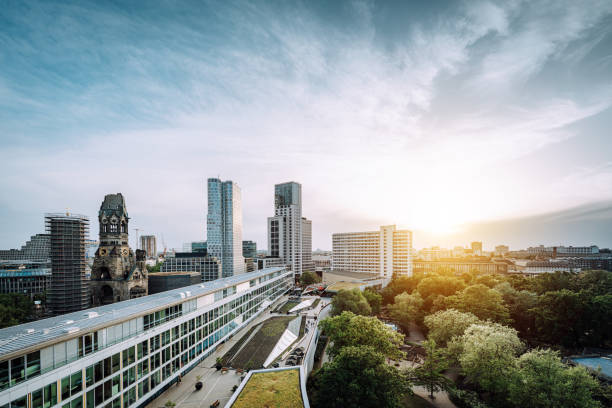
{"type": "Point", "coordinates": [385, 252]}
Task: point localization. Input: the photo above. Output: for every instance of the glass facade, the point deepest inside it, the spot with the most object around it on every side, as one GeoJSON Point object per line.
{"type": "Point", "coordinates": [179, 336]}
{"type": "Point", "coordinates": [224, 225]}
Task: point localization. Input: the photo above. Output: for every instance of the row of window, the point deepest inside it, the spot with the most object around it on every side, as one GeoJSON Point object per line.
{"type": "Point", "coordinates": [189, 338]}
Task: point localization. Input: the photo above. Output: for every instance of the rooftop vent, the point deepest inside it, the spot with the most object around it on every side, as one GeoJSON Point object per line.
{"type": "Point", "coordinates": [46, 331]}
{"type": "Point", "coordinates": [72, 329]}
{"type": "Point", "coordinates": [29, 331]}
{"type": "Point", "coordinates": [188, 293]}
{"type": "Point", "coordinates": [182, 295]}
{"type": "Point", "coordinates": [69, 322]}
{"type": "Point", "coordinates": [91, 315]}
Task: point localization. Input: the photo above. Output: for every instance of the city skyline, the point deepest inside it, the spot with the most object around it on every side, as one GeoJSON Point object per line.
{"type": "Point", "coordinates": [462, 121]}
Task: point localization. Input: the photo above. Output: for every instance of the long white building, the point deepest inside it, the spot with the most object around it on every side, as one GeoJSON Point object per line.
{"type": "Point", "coordinates": [385, 252]}
{"type": "Point", "coordinates": [127, 353]}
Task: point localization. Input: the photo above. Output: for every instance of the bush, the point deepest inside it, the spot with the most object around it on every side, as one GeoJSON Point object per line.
{"type": "Point", "coordinates": [465, 399]}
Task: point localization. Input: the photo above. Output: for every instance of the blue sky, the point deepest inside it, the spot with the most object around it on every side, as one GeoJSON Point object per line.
{"type": "Point", "coordinates": [460, 120]}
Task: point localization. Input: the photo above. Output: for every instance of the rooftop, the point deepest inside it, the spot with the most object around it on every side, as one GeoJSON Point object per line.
{"type": "Point", "coordinates": [279, 389]}
{"type": "Point", "coordinates": [16, 339]}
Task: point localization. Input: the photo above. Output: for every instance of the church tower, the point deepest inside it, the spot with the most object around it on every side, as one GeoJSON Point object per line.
{"type": "Point", "coordinates": [117, 274]}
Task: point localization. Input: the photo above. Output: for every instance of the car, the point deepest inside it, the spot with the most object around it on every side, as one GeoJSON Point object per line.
{"type": "Point", "coordinates": [290, 363]}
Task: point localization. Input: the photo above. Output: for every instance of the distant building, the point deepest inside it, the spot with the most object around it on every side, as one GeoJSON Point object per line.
{"type": "Point", "coordinates": [501, 250]}
{"type": "Point", "coordinates": [224, 225]}
{"type": "Point", "coordinates": [537, 267]}
{"type": "Point", "coordinates": [270, 262]}
{"type": "Point", "coordinates": [476, 248]}
{"type": "Point", "coordinates": [307, 264]}
{"type": "Point", "coordinates": [562, 251]}
{"type": "Point", "coordinates": [186, 247]}
{"type": "Point", "coordinates": [249, 249]}
{"type": "Point", "coordinates": [250, 264]}
{"type": "Point", "coordinates": [434, 253]}
{"type": "Point", "coordinates": [148, 243]}
{"type": "Point", "coordinates": [386, 252]}
{"type": "Point", "coordinates": [198, 246]}
{"type": "Point", "coordinates": [117, 273]}
{"type": "Point", "coordinates": [322, 262]}
{"type": "Point", "coordinates": [460, 266]}
{"type": "Point", "coordinates": [163, 281]}
{"type": "Point", "coordinates": [285, 228]}
{"type": "Point", "coordinates": [32, 278]}
{"type": "Point", "coordinates": [458, 252]}
{"type": "Point", "coordinates": [36, 249]}
{"type": "Point", "coordinates": [69, 288]}
{"type": "Point", "coordinates": [209, 267]}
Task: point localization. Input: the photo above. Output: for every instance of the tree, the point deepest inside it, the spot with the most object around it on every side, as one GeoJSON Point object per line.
{"type": "Point", "coordinates": [559, 317]}
{"type": "Point", "coordinates": [309, 278]}
{"type": "Point", "coordinates": [433, 286]}
{"type": "Point", "coordinates": [358, 377]}
{"type": "Point", "coordinates": [541, 380]}
{"type": "Point", "coordinates": [447, 324]}
{"type": "Point", "coordinates": [155, 268]}
{"type": "Point", "coordinates": [489, 280]}
{"type": "Point", "coordinates": [429, 374]}
{"type": "Point", "coordinates": [15, 308]}
{"type": "Point", "coordinates": [597, 282]}
{"type": "Point", "coordinates": [350, 300]}
{"type": "Point", "coordinates": [349, 329]}
{"type": "Point", "coordinates": [488, 355]}
{"type": "Point", "coordinates": [407, 308]}
{"type": "Point", "coordinates": [519, 305]}
{"type": "Point", "coordinates": [399, 285]}
{"type": "Point", "coordinates": [374, 300]}
{"type": "Point", "coordinates": [484, 303]}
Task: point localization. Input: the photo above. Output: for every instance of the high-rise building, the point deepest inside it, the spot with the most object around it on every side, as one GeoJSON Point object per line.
{"type": "Point", "coordinates": [224, 225]}
{"type": "Point", "coordinates": [36, 249]}
{"type": "Point", "coordinates": [148, 243]}
{"type": "Point", "coordinates": [476, 248]}
{"type": "Point", "coordinates": [69, 287]}
{"type": "Point", "coordinates": [307, 264]}
{"type": "Point", "coordinates": [249, 249]}
{"type": "Point", "coordinates": [386, 252]}
{"type": "Point", "coordinates": [285, 228]}
{"type": "Point", "coordinates": [117, 273]}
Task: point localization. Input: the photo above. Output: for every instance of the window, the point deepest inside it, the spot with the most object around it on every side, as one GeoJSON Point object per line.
{"type": "Point", "coordinates": [33, 364]}
{"type": "Point", "coordinates": [4, 375]}
{"type": "Point", "coordinates": [17, 370]}
{"type": "Point", "coordinates": [50, 395]}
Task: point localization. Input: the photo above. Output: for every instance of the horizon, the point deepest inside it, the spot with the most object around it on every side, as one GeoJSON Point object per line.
{"type": "Point", "coordinates": [460, 121]}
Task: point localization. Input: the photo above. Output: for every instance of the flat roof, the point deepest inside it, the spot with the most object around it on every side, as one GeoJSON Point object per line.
{"type": "Point", "coordinates": [16, 340]}
{"type": "Point", "coordinates": [337, 286]}
{"type": "Point", "coordinates": [271, 389]}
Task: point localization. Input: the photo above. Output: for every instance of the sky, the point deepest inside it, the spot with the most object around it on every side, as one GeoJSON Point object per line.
{"type": "Point", "coordinates": [460, 120]}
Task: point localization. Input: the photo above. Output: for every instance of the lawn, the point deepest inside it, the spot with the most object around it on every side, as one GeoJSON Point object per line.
{"type": "Point", "coordinates": [255, 352]}
{"type": "Point", "coordinates": [335, 287]}
{"type": "Point", "coordinates": [279, 389]}
{"type": "Point", "coordinates": [287, 306]}
{"type": "Point", "coordinates": [227, 357]}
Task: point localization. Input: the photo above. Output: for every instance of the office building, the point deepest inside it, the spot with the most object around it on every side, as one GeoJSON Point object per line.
{"type": "Point", "coordinates": [198, 246]}
{"type": "Point", "coordinates": [460, 266]}
{"type": "Point", "coordinates": [285, 227]}
{"type": "Point", "coordinates": [127, 353]}
{"type": "Point", "coordinates": [37, 249]}
{"type": "Point", "coordinates": [148, 243]}
{"type": "Point", "coordinates": [476, 248]}
{"type": "Point", "coordinates": [224, 225]}
{"type": "Point", "coordinates": [271, 262]}
{"type": "Point", "coordinates": [69, 287]}
{"type": "Point", "coordinates": [386, 252]}
{"type": "Point", "coordinates": [501, 250]}
{"type": "Point", "coordinates": [307, 264]}
{"type": "Point", "coordinates": [117, 272]}
{"type": "Point", "coordinates": [563, 251]}
{"type": "Point", "coordinates": [164, 281]}
{"type": "Point", "coordinates": [30, 278]}
{"type": "Point", "coordinates": [434, 253]}
{"type": "Point", "coordinates": [249, 249]}
{"type": "Point", "coordinates": [209, 267]}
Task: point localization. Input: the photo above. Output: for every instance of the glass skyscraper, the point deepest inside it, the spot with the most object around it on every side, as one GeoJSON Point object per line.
{"type": "Point", "coordinates": [224, 225]}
